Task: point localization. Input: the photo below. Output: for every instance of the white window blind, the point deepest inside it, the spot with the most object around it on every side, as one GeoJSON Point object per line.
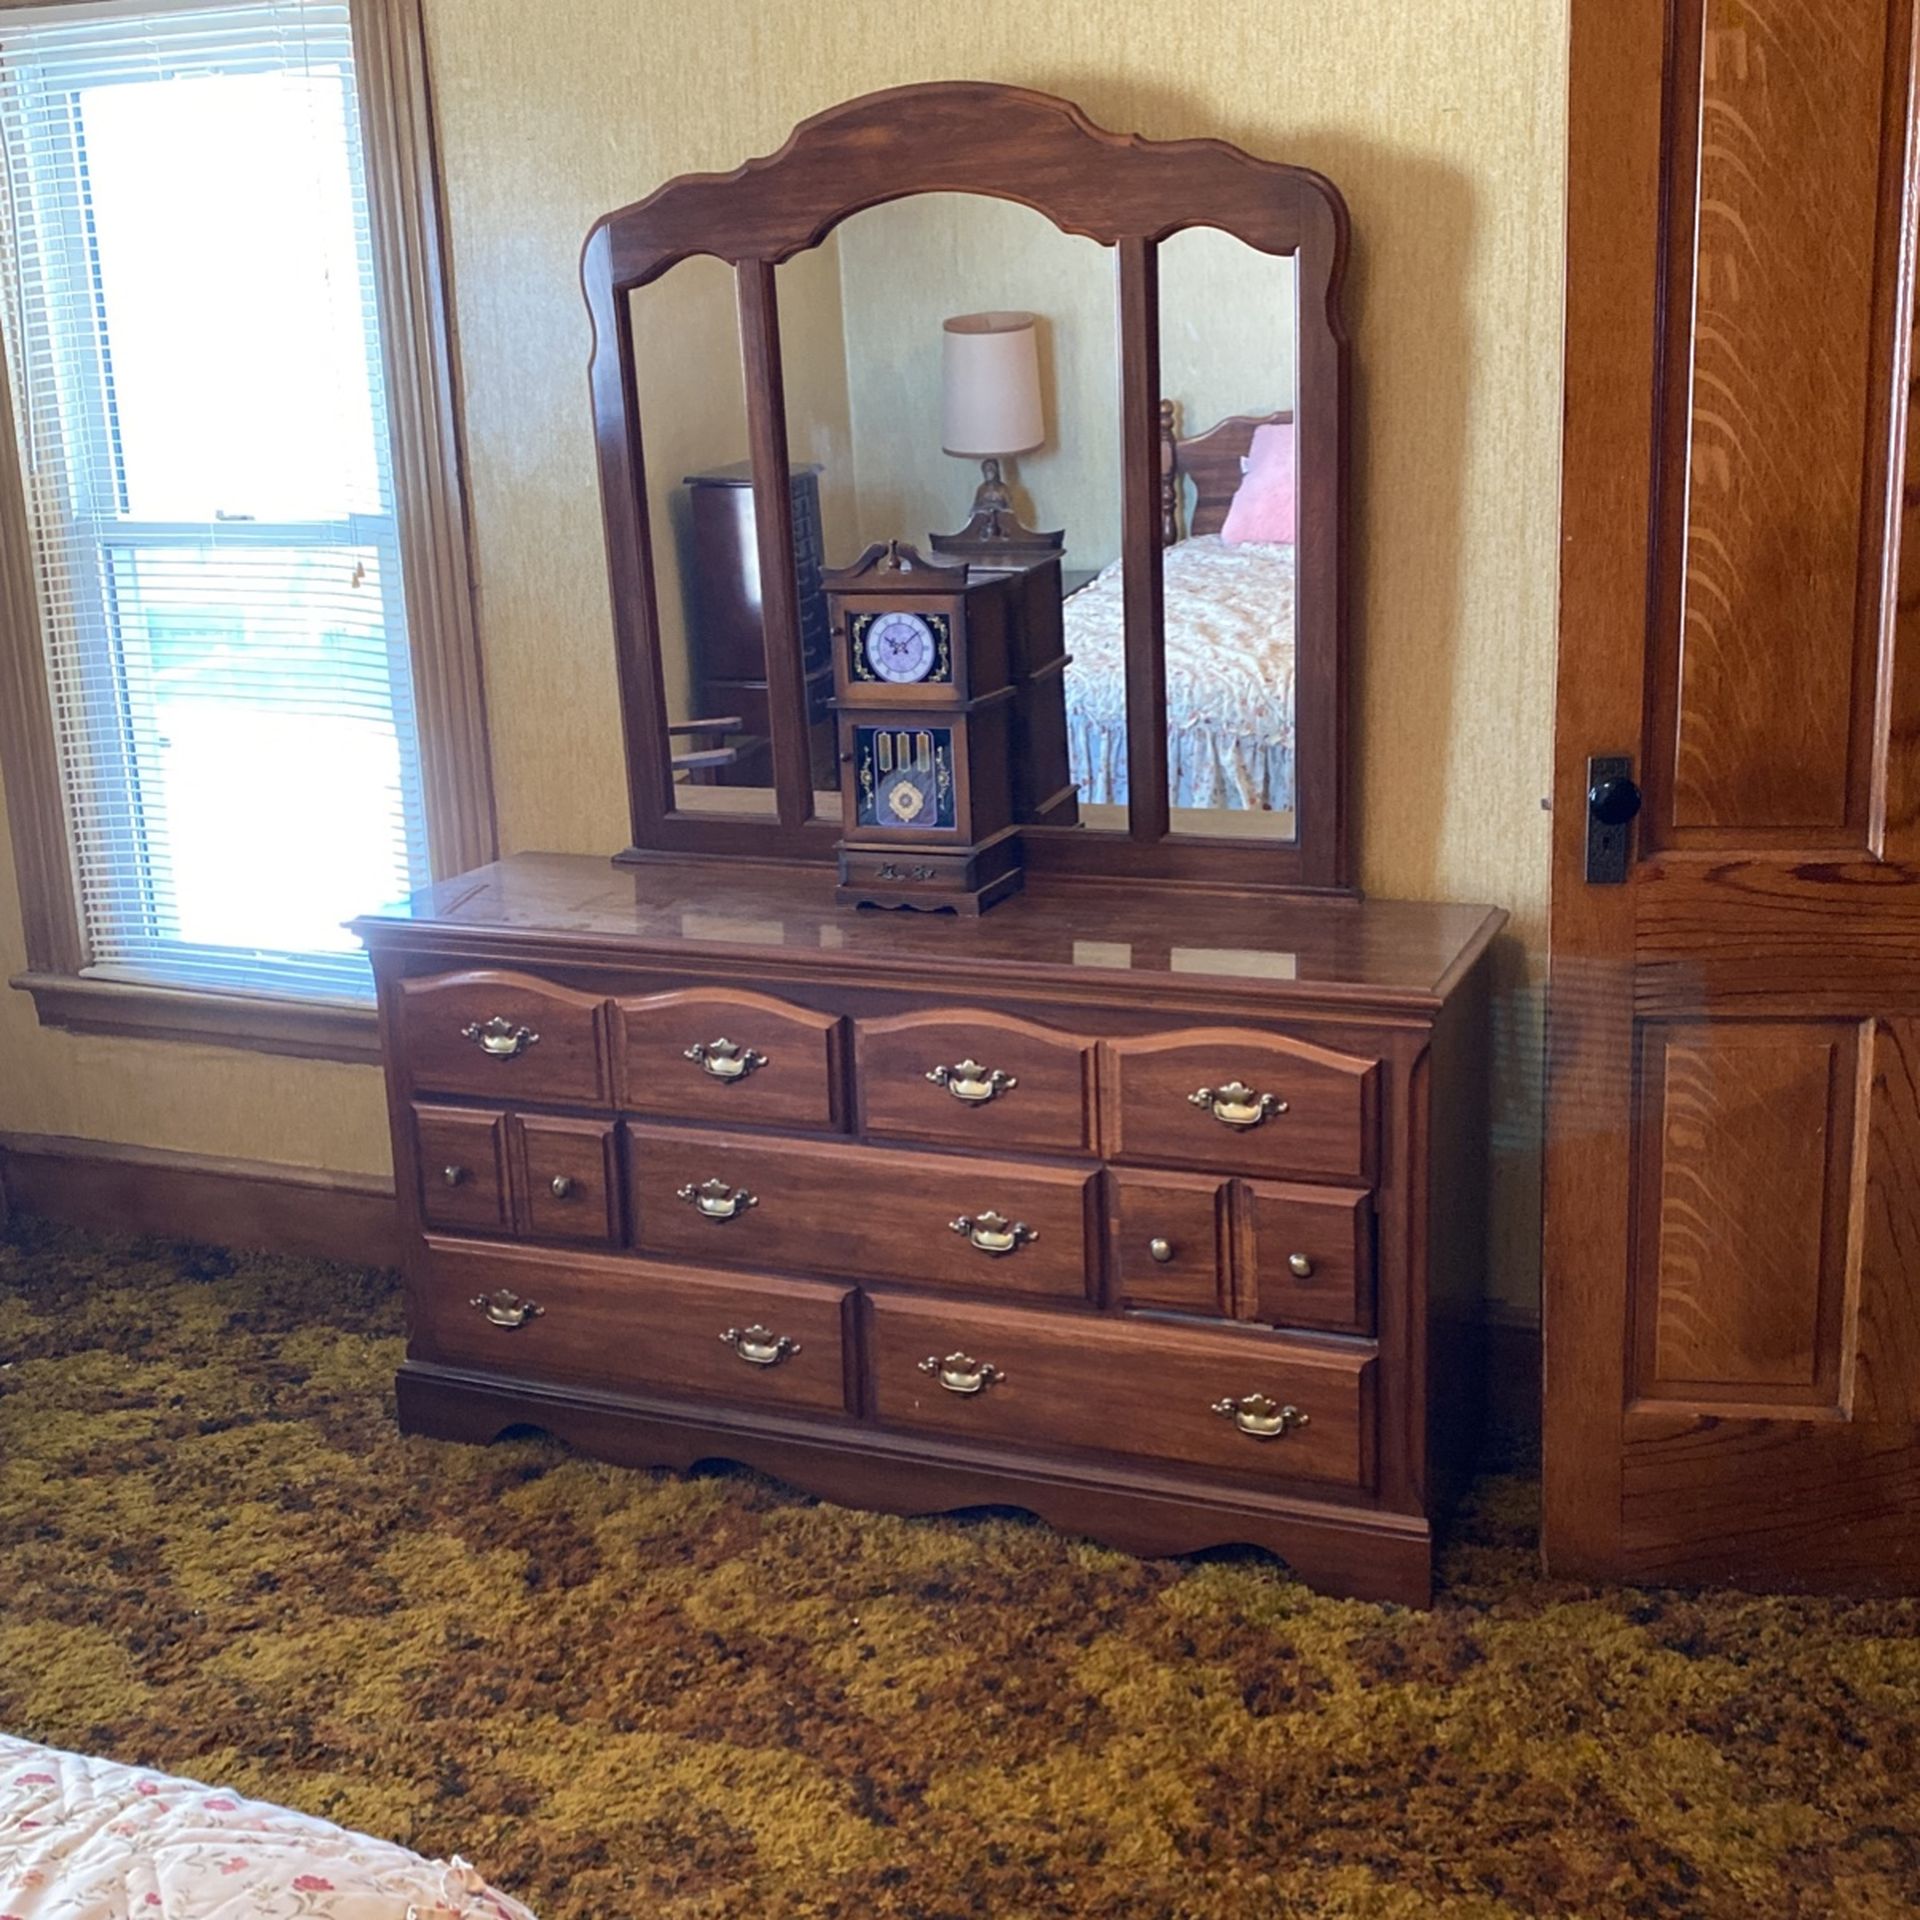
{"type": "Point", "coordinates": [194, 347]}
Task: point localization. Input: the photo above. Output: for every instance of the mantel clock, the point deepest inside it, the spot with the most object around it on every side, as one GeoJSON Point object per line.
{"type": "Point", "coordinates": [925, 702]}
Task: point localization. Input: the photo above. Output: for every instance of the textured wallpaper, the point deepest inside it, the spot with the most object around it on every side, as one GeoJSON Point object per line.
{"type": "Point", "coordinates": [1443, 124]}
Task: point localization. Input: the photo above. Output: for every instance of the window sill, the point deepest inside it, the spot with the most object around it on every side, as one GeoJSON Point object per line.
{"type": "Point", "coordinates": [310, 1030]}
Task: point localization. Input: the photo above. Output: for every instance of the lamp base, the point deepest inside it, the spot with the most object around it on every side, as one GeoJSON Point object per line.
{"type": "Point", "coordinates": [995, 529]}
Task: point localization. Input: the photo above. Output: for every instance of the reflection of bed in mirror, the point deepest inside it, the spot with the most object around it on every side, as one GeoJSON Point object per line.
{"type": "Point", "coordinates": [1229, 617]}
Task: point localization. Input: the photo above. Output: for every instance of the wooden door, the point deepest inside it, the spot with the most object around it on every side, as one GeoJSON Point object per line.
{"type": "Point", "coordinates": [1732, 1281]}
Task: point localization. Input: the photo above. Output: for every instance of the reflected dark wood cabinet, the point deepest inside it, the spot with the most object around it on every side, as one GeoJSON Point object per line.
{"type": "Point", "coordinates": [726, 651]}
{"type": "Point", "coordinates": [1150, 1200]}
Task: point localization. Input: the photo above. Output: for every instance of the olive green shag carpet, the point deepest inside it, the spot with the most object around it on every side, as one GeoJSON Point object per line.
{"type": "Point", "coordinates": [627, 1695]}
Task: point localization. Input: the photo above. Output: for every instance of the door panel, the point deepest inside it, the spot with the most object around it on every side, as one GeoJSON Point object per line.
{"type": "Point", "coordinates": [1772, 399]}
{"type": "Point", "coordinates": [1732, 1256]}
{"type": "Point", "coordinates": [1746, 1137]}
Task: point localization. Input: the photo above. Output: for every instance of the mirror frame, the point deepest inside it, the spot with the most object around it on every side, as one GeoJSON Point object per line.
{"type": "Point", "coordinates": [1122, 190]}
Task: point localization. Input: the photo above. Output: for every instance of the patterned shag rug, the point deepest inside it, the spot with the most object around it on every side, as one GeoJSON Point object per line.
{"type": "Point", "coordinates": [627, 1695]}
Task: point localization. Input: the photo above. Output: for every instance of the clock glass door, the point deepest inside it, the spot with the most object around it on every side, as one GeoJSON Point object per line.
{"type": "Point", "coordinates": [904, 779]}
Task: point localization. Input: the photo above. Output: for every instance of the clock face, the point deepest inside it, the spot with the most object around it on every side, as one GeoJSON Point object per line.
{"type": "Point", "coordinates": [904, 777]}
{"type": "Point", "coordinates": [900, 648]}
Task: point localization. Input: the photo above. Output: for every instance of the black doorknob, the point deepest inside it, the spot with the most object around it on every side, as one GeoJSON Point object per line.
{"type": "Point", "coordinates": [1613, 802]}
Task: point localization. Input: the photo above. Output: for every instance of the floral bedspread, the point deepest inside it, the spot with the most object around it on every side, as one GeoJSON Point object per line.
{"type": "Point", "coordinates": [1229, 625]}
{"type": "Point", "coordinates": [84, 1839]}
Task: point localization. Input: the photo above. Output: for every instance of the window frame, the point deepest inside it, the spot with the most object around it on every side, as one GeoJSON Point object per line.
{"type": "Point", "coordinates": [413, 288]}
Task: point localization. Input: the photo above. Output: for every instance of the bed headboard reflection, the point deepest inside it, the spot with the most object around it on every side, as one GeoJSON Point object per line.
{"type": "Point", "coordinates": [1211, 461]}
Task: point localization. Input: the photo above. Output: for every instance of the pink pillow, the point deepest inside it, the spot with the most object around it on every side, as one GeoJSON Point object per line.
{"type": "Point", "coordinates": [1263, 504]}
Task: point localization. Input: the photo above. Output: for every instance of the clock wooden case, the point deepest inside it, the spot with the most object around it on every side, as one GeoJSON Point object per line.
{"type": "Point", "coordinates": [926, 707]}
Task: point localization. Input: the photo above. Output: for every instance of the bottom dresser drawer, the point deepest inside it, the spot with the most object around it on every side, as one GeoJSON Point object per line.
{"type": "Point", "coordinates": [1244, 1402]}
{"type": "Point", "coordinates": [535, 1314]}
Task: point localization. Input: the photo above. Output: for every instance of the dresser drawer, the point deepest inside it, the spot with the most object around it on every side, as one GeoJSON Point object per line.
{"type": "Point", "coordinates": [1217, 1401]}
{"type": "Point", "coordinates": [708, 1053]}
{"type": "Point", "coordinates": [462, 1156]}
{"type": "Point", "coordinates": [863, 1212]}
{"type": "Point", "coordinates": [1168, 1243]}
{"type": "Point", "coordinates": [505, 1037]}
{"type": "Point", "coordinates": [570, 1179]}
{"type": "Point", "coordinates": [1242, 1102]}
{"type": "Point", "coordinates": [547, 1315]}
{"type": "Point", "coordinates": [1311, 1257]}
{"type": "Point", "coordinates": [981, 1080]}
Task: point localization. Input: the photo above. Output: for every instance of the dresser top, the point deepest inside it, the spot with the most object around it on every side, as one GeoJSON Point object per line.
{"type": "Point", "coordinates": [1103, 935]}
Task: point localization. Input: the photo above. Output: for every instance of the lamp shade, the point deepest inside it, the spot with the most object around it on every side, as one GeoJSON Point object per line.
{"type": "Point", "coordinates": [990, 384]}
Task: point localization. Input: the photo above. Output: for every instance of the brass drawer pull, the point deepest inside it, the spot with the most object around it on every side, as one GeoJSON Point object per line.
{"type": "Point", "coordinates": [961, 1373]}
{"type": "Point", "coordinates": [454, 1176]}
{"type": "Point", "coordinates": [760, 1346]}
{"type": "Point", "coordinates": [1300, 1266]}
{"type": "Point", "coordinates": [561, 1186]}
{"type": "Point", "coordinates": [1161, 1250]}
{"type": "Point", "coordinates": [973, 1083]}
{"type": "Point", "coordinates": [505, 1308]}
{"type": "Point", "coordinates": [717, 1200]}
{"type": "Point", "coordinates": [1255, 1414]}
{"type": "Point", "coordinates": [499, 1038]}
{"type": "Point", "coordinates": [723, 1059]}
{"type": "Point", "coordinates": [994, 1233]}
{"type": "Point", "coordinates": [1236, 1104]}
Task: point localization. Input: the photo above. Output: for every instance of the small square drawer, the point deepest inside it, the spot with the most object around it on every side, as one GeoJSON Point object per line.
{"type": "Point", "coordinates": [1168, 1243]}
{"type": "Point", "coordinates": [742, 1059]}
{"type": "Point", "coordinates": [1241, 1102]}
{"type": "Point", "coordinates": [1312, 1257]}
{"type": "Point", "coordinates": [975, 1079]}
{"type": "Point", "coordinates": [463, 1169]}
{"type": "Point", "coordinates": [570, 1179]}
{"type": "Point", "coordinates": [1241, 1401]}
{"type": "Point", "coordinates": [544, 1314]}
{"type": "Point", "coordinates": [503, 1036]}
{"type": "Point", "coordinates": [936, 1220]}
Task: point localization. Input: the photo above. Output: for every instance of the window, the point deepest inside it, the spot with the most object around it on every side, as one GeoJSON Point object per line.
{"type": "Point", "coordinates": [193, 339]}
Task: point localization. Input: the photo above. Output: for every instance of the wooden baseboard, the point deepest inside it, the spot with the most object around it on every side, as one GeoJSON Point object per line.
{"type": "Point", "coordinates": [250, 1204]}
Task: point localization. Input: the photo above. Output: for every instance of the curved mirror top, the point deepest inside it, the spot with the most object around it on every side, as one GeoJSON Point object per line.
{"type": "Point", "coordinates": [1140, 438]}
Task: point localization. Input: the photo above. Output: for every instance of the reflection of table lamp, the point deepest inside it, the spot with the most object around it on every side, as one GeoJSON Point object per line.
{"type": "Point", "coordinates": [989, 411]}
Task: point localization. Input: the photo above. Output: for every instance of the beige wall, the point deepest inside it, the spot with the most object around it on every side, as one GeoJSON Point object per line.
{"type": "Point", "coordinates": [1444, 126]}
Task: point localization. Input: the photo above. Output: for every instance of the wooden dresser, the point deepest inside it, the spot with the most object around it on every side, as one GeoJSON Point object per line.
{"type": "Point", "coordinates": [1154, 1212]}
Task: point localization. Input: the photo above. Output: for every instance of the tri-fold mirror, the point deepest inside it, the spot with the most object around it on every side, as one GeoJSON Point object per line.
{"type": "Point", "coordinates": [962, 318]}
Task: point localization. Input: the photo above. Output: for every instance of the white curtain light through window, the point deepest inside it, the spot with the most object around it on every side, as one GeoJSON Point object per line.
{"type": "Point", "coordinates": [194, 348]}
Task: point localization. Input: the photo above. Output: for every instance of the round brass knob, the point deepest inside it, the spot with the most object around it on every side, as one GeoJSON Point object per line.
{"type": "Point", "coordinates": [453, 1175]}
{"type": "Point", "coordinates": [1299, 1265]}
{"type": "Point", "coordinates": [1162, 1250]}
{"type": "Point", "coordinates": [562, 1186]}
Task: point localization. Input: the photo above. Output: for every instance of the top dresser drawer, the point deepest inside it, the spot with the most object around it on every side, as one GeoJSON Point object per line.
{"type": "Point", "coordinates": [983, 1080]}
{"type": "Point", "coordinates": [504, 1036]}
{"type": "Point", "coordinates": [716, 1053]}
{"type": "Point", "coordinates": [1242, 1102]}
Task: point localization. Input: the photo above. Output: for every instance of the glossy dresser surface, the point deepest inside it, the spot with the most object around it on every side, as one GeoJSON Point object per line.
{"type": "Point", "coordinates": [1155, 1212]}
